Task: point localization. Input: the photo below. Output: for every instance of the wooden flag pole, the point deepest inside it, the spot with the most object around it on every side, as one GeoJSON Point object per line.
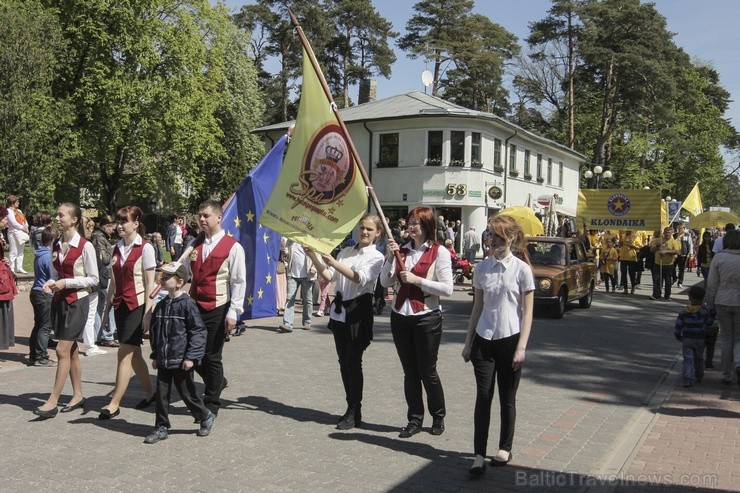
{"type": "Point", "coordinates": [345, 132]}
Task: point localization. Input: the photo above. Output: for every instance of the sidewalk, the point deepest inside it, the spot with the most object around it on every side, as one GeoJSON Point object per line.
{"type": "Point", "coordinates": [589, 418]}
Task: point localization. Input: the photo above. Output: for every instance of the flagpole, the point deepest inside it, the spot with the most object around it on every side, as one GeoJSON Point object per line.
{"type": "Point", "coordinates": [342, 126]}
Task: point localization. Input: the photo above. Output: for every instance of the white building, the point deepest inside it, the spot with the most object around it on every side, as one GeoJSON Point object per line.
{"type": "Point", "coordinates": [422, 150]}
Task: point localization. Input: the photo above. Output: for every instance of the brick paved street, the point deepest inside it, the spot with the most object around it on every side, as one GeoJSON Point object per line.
{"type": "Point", "coordinates": [597, 402]}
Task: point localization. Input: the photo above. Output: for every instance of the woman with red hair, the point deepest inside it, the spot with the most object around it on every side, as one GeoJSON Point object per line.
{"type": "Point", "coordinates": [416, 318]}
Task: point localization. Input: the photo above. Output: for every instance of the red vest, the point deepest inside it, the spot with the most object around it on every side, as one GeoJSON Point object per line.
{"type": "Point", "coordinates": [128, 289]}
{"type": "Point", "coordinates": [69, 269]}
{"type": "Point", "coordinates": [410, 291]}
{"type": "Point", "coordinates": [210, 284]}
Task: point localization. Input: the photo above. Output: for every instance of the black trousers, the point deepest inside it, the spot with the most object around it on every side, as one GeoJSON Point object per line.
{"type": "Point", "coordinates": [417, 339]}
{"type": "Point", "coordinates": [350, 351]}
{"type": "Point", "coordinates": [628, 268]}
{"type": "Point", "coordinates": [39, 340]}
{"type": "Point", "coordinates": [680, 264]}
{"type": "Point", "coordinates": [211, 368]}
{"type": "Point", "coordinates": [185, 386]}
{"type": "Point", "coordinates": [662, 275]}
{"type": "Point", "coordinates": [493, 359]}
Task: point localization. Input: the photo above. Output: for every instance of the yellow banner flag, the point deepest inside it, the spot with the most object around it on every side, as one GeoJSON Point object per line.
{"type": "Point", "coordinates": [692, 204]}
{"type": "Point", "coordinates": [319, 195]}
{"type": "Point", "coordinates": [636, 210]}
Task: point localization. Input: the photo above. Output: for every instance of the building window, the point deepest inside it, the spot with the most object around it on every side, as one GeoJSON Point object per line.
{"type": "Point", "coordinates": [539, 168]}
{"type": "Point", "coordinates": [457, 146]}
{"type": "Point", "coordinates": [434, 147]}
{"type": "Point", "coordinates": [560, 174]}
{"type": "Point", "coordinates": [388, 151]}
{"type": "Point", "coordinates": [475, 145]}
{"type": "Point", "coordinates": [512, 157]}
{"type": "Point", "coordinates": [527, 171]}
{"type": "Point", "coordinates": [549, 171]}
{"type": "Point", "coordinates": [497, 154]}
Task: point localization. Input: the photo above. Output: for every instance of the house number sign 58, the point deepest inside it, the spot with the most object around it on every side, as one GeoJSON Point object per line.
{"type": "Point", "coordinates": [455, 189]}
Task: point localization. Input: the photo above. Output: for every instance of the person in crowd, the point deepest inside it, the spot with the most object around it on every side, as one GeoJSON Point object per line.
{"type": "Point", "coordinates": [157, 244]}
{"type": "Point", "coordinates": [719, 241]}
{"type": "Point", "coordinates": [629, 247]}
{"type": "Point", "coordinates": [691, 331]}
{"type": "Point", "coordinates": [457, 229]}
{"type": "Point", "coordinates": [173, 237]}
{"type": "Point", "coordinates": [218, 286]}
{"type": "Point", "coordinates": [101, 240]}
{"type": "Point", "coordinates": [608, 265]}
{"type": "Point", "coordinates": [8, 289]}
{"type": "Point", "coordinates": [301, 274]}
{"type": "Point", "coordinates": [178, 342]}
{"type": "Point", "coordinates": [665, 248]}
{"type": "Point", "coordinates": [441, 229]}
{"type": "Point", "coordinates": [683, 236]}
{"type": "Point", "coordinates": [485, 240]}
{"type": "Point", "coordinates": [450, 248]}
{"type": "Point", "coordinates": [471, 244]}
{"type": "Point", "coordinates": [381, 291]}
{"type": "Point", "coordinates": [399, 231]}
{"type": "Point", "coordinates": [704, 254]}
{"type": "Point", "coordinates": [416, 318]}
{"type": "Point", "coordinates": [723, 298]}
{"type": "Point", "coordinates": [497, 336]}
{"type": "Point", "coordinates": [73, 276]}
{"type": "Point", "coordinates": [323, 296]}
{"type": "Point", "coordinates": [450, 231]}
{"type": "Point", "coordinates": [132, 269]}
{"type": "Point", "coordinates": [38, 343]}
{"type": "Point", "coordinates": [18, 233]}
{"type": "Point", "coordinates": [355, 271]}
{"type": "Point", "coordinates": [281, 282]}
{"type": "Point", "coordinates": [41, 220]}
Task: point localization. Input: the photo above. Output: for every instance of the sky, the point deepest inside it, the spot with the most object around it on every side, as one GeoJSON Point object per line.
{"type": "Point", "coordinates": [705, 29]}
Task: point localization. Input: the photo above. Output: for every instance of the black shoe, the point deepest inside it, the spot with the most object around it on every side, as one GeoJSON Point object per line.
{"type": "Point", "coordinates": [46, 414]}
{"type": "Point", "coordinates": [477, 470]}
{"type": "Point", "coordinates": [45, 362]}
{"type": "Point", "coordinates": [69, 409]}
{"type": "Point", "coordinates": [438, 427]}
{"type": "Point", "coordinates": [106, 414]}
{"type": "Point", "coordinates": [709, 366]}
{"type": "Point", "coordinates": [144, 403]}
{"type": "Point", "coordinates": [159, 433]}
{"type": "Point", "coordinates": [206, 425]}
{"type": "Point", "coordinates": [410, 430]}
{"type": "Point", "coordinates": [224, 384]}
{"type": "Point", "coordinates": [496, 462]}
{"type": "Point", "coordinates": [351, 419]}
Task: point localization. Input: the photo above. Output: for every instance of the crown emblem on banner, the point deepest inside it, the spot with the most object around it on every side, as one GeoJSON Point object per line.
{"type": "Point", "coordinates": [334, 153]}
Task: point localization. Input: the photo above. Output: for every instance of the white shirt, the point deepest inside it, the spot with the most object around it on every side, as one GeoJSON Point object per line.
{"type": "Point", "coordinates": [237, 272]}
{"type": "Point", "coordinates": [503, 283]}
{"type": "Point", "coordinates": [441, 283]}
{"type": "Point", "coordinates": [89, 261]}
{"type": "Point", "coordinates": [178, 235]}
{"type": "Point", "coordinates": [13, 224]}
{"type": "Point", "coordinates": [300, 264]}
{"type": "Point", "coordinates": [148, 260]}
{"type": "Point", "coordinates": [367, 262]}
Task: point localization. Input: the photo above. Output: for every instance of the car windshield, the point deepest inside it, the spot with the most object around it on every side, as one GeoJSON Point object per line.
{"type": "Point", "coordinates": [546, 253]}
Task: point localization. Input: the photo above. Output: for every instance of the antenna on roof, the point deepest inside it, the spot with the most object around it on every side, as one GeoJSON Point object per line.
{"type": "Point", "coordinates": [426, 78]}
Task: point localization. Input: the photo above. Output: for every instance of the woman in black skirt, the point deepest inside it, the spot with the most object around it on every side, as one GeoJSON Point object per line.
{"type": "Point", "coordinates": [74, 274]}
{"type": "Point", "coordinates": [132, 267]}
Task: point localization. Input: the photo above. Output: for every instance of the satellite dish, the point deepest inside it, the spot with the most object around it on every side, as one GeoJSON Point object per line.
{"type": "Point", "coordinates": [427, 78]}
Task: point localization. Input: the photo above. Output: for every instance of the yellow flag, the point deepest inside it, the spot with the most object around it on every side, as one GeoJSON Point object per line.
{"type": "Point", "coordinates": [319, 195]}
{"type": "Point", "coordinates": [692, 204]}
{"type": "Point", "coordinates": [636, 210]}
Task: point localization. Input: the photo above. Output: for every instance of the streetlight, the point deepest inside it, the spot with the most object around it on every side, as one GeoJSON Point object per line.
{"type": "Point", "coordinates": [596, 174]}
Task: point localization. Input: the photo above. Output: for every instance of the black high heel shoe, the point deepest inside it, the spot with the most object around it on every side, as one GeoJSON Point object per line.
{"type": "Point", "coordinates": [51, 413]}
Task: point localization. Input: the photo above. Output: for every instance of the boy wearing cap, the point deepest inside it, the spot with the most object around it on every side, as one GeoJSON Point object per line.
{"type": "Point", "coordinates": [178, 340]}
{"type": "Point", "coordinates": [691, 330]}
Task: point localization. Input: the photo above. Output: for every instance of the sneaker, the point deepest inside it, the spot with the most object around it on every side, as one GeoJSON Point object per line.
{"type": "Point", "coordinates": [21, 271]}
{"type": "Point", "coordinates": [285, 328]}
{"type": "Point", "coordinates": [94, 350]}
{"type": "Point", "coordinates": [320, 313]}
{"type": "Point", "coordinates": [307, 327]}
{"type": "Point", "coordinates": [654, 298]}
{"type": "Point", "coordinates": [45, 362]}
{"type": "Point", "coordinates": [159, 433]}
{"type": "Point", "coordinates": [111, 343]}
{"type": "Point", "coordinates": [680, 285]}
{"type": "Point", "coordinates": [206, 425]}
{"type": "Point", "coordinates": [668, 299]}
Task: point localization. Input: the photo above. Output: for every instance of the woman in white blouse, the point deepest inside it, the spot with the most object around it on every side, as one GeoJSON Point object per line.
{"type": "Point", "coordinates": [354, 271]}
{"type": "Point", "coordinates": [498, 333]}
{"type": "Point", "coordinates": [18, 233]}
{"type": "Point", "coordinates": [416, 317]}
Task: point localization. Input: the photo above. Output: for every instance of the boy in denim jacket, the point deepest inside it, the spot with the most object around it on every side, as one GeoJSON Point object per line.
{"type": "Point", "coordinates": [691, 329]}
{"type": "Point", "coordinates": [178, 340]}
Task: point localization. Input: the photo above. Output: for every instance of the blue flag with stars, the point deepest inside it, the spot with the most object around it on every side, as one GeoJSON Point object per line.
{"type": "Point", "coordinates": [261, 245]}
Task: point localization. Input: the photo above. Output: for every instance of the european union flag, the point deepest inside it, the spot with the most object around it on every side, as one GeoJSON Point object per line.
{"type": "Point", "coordinates": [261, 245]}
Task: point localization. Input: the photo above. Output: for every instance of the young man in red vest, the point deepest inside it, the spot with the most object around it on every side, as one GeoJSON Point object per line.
{"type": "Point", "coordinates": [218, 286]}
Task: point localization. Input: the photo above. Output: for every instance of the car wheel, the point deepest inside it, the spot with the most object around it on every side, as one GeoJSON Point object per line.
{"type": "Point", "coordinates": [558, 310]}
{"type": "Point", "coordinates": [585, 302]}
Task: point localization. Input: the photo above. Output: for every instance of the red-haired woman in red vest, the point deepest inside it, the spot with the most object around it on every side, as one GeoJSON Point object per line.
{"type": "Point", "coordinates": [74, 274]}
{"type": "Point", "coordinates": [498, 332]}
{"type": "Point", "coordinates": [132, 267]}
{"type": "Point", "coordinates": [416, 319]}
